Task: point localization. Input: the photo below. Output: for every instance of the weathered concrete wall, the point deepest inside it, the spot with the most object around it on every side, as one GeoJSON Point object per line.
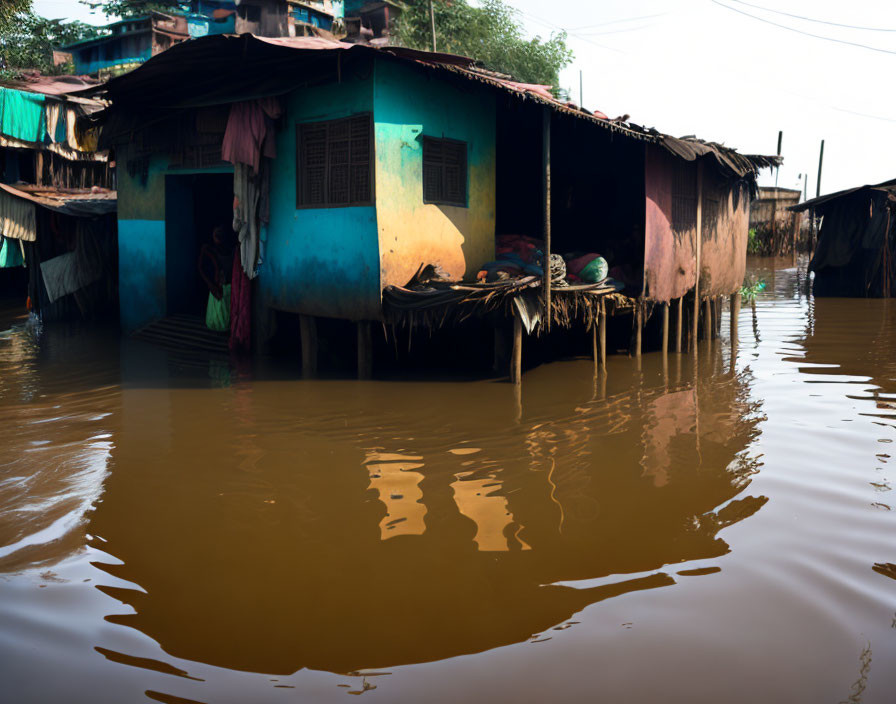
{"type": "Point", "coordinates": [141, 272]}
{"type": "Point", "coordinates": [408, 105]}
{"type": "Point", "coordinates": [669, 257]}
{"type": "Point", "coordinates": [320, 261]}
{"type": "Point", "coordinates": [723, 256]}
{"type": "Point", "coordinates": [141, 245]}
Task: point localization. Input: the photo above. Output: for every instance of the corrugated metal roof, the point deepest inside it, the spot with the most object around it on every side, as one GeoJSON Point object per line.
{"type": "Point", "coordinates": [209, 62]}
{"type": "Point", "coordinates": [889, 186]}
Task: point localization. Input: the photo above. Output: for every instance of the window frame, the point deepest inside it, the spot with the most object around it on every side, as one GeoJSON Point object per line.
{"type": "Point", "coordinates": [465, 170]}
{"type": "Point", "coordinates": [300, 175]}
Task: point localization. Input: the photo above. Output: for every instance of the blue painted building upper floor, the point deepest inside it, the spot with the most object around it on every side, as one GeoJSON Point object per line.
{"type": "Point", "coordinates": [129, 42]}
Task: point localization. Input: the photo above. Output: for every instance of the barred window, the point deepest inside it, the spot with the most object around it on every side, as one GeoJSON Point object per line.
{"type": "Point", "coordinates": [444, 172]}
{"type": "Point", "coordinates": [334, 163]}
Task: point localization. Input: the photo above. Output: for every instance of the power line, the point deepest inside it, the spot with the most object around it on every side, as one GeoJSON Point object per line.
{"type": "Point", "coordinates": [811, 19]}
{"type": "Point", "coordinates": [799, 31]}
{"type": "Point", "coordinates": [617, 31]}
{"type": "Point", "coordinates": [627, 19]}
{"type": "Point", "coordinates": [551, 25]}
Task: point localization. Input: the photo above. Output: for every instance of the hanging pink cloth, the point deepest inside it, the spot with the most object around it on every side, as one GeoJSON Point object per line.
{"type": "Point", "coordinates": [245, 134]}
{"type": "Point", "coordinates": [240, 308]}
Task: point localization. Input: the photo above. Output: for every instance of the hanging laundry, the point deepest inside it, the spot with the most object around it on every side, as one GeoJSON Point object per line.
{"type": "Point", "coordinates": [11, 253]}
{"type": "Point", "coordinates": [54, 111]}
{"type": "Point", "coordinates": [240, 308]}
{"type": "Point", "coordinates": [245, 215]}
{"type": "Point", "coordinates": [23, 115]}
{"type": "Point", "coordinates": [245, 134]}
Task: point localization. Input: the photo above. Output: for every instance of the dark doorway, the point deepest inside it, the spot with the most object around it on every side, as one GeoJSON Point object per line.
{"type": "Point", "coordinates": [194, 205]}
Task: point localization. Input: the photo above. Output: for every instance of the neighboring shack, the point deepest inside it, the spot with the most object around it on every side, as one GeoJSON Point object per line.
{"type": "Point", "coordinates": [355, 169]}
{"type": "Point", "coordinates": [856, 243]}
{"type": "Point", "coordinates": [58, 244]}
{"type": "Point", "coordinates": [777, 228]}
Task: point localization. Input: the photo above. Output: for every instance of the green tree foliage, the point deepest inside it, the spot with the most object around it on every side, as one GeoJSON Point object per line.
{"type": "Point", "coordinates": [28, 42]}
{"type": "Point", "coordinates": [134, 8]}
{"type": "Point", "coordinates": [9, 10]}
{"type": "Point", "coordinates": [490, 33]}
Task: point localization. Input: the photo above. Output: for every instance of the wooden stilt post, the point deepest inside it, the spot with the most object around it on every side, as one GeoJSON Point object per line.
{"type": "Point", "coordinates": [735, 315]}
{"type": "Point", "coordinates": [595, 344]}
{"type": "Point", "coordinates": [546, 163]}
{"type": "Point", "coordinates": [308, 329]}
{"type": "Point", "coordinates": [637, 323]}
{"type": "Point", "coordinates": [602, 336]}
{"type": "Point", "coordinates": [720, 302]}
{"type": "Point", "coordinates": [707, 318]}
{"type": "Point", "coordinates": [679, 323]}
{"type": "Point", "coordinates": [365, 350]}
{"type": "Point", "coordinates": [516, 358]}
{"type": "Point", "coordinates": [697, 251]}
{"type": "Point", "coordinates": [665, 328]}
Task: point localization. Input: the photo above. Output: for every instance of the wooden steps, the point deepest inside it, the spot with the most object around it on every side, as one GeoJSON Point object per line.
{"type": "Point", "coordinates": [181, 333]}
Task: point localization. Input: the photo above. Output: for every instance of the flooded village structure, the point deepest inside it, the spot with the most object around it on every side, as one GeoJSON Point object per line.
{"type": "Point", "coordinates": [856, 241]}
{"type": "Point", "coordinates": [57, 200]}
{"type": "Point", "coordinates": [387, 187]}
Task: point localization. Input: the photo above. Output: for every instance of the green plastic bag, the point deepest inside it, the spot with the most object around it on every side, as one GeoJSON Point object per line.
{"type": "Point", "coordinates": [595, 271]}
{"type": "Point", "coordinates": [217, 314]}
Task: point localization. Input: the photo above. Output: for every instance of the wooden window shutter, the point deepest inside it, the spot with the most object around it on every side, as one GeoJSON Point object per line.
{"type": "Point", "coordinates": [444, 172]}
{"type": "Point", "coordinates": [335, 163]}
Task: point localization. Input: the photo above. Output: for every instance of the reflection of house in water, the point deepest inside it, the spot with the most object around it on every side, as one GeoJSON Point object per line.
{"type": "Point", "coordinates": [398, 486]}
{"type": "Point", "coordinates": [282, 564]}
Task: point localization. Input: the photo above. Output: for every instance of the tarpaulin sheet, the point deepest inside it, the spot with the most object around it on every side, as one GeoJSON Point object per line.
{"type": "Point", "coordinates": [23, 115]}
{"type": "Point", "coordinates": [16, 217]}
{"type": "Point", "coordinates": [63, 275]}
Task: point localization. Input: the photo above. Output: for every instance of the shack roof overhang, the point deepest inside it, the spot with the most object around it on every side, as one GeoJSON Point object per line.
{"type": "Point", "coordinates": [821, 202]}
{"type": "Point", "coordinates": [225, 68]}
{"type": "Point", "coordinates": [78, 202]}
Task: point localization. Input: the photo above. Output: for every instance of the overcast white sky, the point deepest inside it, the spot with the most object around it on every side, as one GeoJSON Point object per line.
{"type": "Point", "coordinates": [696, 67]}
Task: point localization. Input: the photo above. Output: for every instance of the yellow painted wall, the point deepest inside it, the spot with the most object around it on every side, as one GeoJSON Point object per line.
{"type": "Point", "coordinates": [410, 104]}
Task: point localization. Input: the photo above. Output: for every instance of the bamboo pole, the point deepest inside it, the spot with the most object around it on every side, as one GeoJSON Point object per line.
{"type": "Point", "coordinates": [679, 323]}
{"type": "Point", "coordinates": [707, 318]}
{"type": "Point", "coordinates": [546, 164]}
{"type": "Point", "coordinates": [637, 323]}
{"type": "Point", "coordinates": [516, 357]}
{"type": "Point", "coordinates": [734, 318]}
{"type": "Point", "coordinates": [699, 244]}
{"type": "Point", "coordinates": [665, 328]}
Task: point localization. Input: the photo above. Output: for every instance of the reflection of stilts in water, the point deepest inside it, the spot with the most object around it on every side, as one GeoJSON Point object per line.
{"type": "Point", "coordinates": [554, 492]}
{"type": "Point", "coordinates": [755, 321]}
{"type": "Point", "coordinates": [697, 409]}
{"type": "Point", "coordinates": [478, 499]}
{"type": "Point", "coordinates": [398, 486]}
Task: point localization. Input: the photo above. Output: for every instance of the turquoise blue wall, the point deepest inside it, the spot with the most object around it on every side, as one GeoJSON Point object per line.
{"type": "Point", "coordinates": [141, 272]}
{"type": "Point", "coordinates": [320, 261]}
{"type": "Point", "coordinates": [411, 103]}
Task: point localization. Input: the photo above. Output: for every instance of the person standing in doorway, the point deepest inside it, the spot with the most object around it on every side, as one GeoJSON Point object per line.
{"type": "Point", "coordinates": [215, 266]}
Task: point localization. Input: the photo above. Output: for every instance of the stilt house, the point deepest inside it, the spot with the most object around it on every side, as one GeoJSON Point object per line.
{"type": "Point", "coordinates": [370, 184]}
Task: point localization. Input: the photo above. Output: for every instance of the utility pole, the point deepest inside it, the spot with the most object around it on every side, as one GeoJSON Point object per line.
{"type": "Point", "coordinates": [778, 168]}
{"type": "Point", "coordinates": [432, 22]}
{"type": "Point", "coordinates": [581, 98]}
{"type": "Point", "coordinates": [820, 160]}
{"type": "Point", "coordinates": [806, 186]}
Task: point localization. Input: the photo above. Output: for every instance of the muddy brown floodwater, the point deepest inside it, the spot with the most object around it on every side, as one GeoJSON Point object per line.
{"type": "Point", "coordinates": [715, 531]}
